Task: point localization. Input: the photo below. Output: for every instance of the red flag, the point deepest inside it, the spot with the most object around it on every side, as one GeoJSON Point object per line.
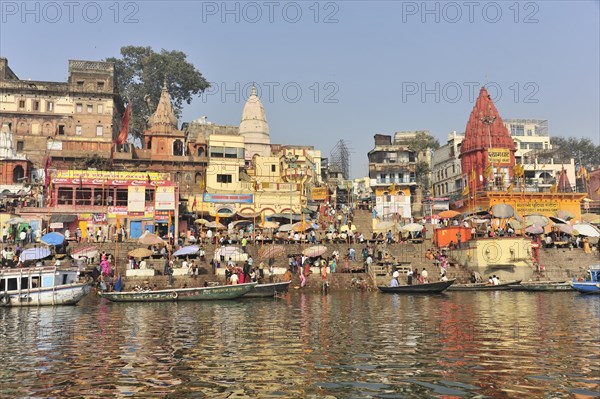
{"type": "Point", "coordinates": [56, 131]}
{"type": "Point", "coordinates": [47, 171]}
{"type": "Point", "coordinates": [194, 203]}
{"type": "Point", "coordinates": [124, 130]}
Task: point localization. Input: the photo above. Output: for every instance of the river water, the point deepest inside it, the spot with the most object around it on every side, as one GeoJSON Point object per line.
{"type": "Point", "coordinates": [343, 345]}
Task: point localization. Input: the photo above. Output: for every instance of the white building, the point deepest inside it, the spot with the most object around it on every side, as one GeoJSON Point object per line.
{"type": "Point", "coordinates": [447, 179]}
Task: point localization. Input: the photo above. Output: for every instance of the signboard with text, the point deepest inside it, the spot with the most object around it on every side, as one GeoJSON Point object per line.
{"type": "Point", "coordinates": [136, 200]}
{"type": "Point", "coordinates": [228, 198]}
{"type": "Point", "coordinates": [499, 155]}
{"type": "Point", "coordinates": [165, 198]}
{"type": "Point", "coordinates": [536, 207]}
{"type": "Point", "coordinates": [319, 193]}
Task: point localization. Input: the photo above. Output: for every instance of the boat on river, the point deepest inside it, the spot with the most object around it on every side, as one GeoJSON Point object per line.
{"type": "Point", "coordinates": [181, 294]}
{"type": "Point", "coordinates": [537, 286]}
{"type": "Point", "coordinates": [40, 286]}
{"type": "Point", "coordinates": [591, 285]}
{"type": "Point", "coordinates": [505, 286]}
{"type": "Point", "coordinates": [268, 290]}
{"type": "Point", "coordinates": [428, 288]}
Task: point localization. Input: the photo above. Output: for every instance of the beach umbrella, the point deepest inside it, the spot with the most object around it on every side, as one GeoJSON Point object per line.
{"type": "Point", "coordinates": [150, 239]}
{"type": "Point", "coordinates": [189, 250]}
{"type": "Point", "coordinates": [270, 225]}
{"type": "Point", "coordinates": [540, 220]}
{"type": "Point", "coordinates": [85, 252]}
{"type": "Point", "coordinates": [345, 228]}
{"type": "Point", "coordinates": [215, 225]}
{"type": "Point", "coordinates": [53, 238]}
{"type": "Point", "coordinates": [34, 253]}
{"type": "Point", "coordinates": [449, 214]}
{"type": "Point", "coordinates": [412, 227]}
{"type": "Point", "coordinates": [564, 214]}
{"type": "Point", "coordinates": [16, 220]}
{"type": "Point", "coordinates": [140, 253]}
{"type": "Point", "coordinates": [286, 227]}
{"type": "Point", "coordinates": [503, 211]}
{"type": "Point", "coordinates": [315, 251]}
{"type": "Point", "coordinates": [591, 218]}
{"type": "Point", "coordinates": [271, 251]}
{"type": "Point", "coordinates": [565, 228]}
{"type": "Point", "coordinates": [558, 220]}
{"type": "Point", "coordinates": [587, 230]}
{"type": "Point", "coordinates": [534, 229]}
{"type": "Point", "coordinates": [201, 221]}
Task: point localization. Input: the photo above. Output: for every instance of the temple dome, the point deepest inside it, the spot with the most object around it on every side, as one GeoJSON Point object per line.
{"type": "Point", "coordinates": [254, 119]}
{"type": "Point", "coordinates": [163, 120]}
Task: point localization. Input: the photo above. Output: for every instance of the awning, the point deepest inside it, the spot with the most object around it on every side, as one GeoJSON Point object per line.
{"type": "Point", "coordinates": [63, 218]}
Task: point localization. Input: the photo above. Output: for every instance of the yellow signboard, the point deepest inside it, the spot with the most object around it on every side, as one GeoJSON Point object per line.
{"type": "Point", "coordinates": [536, 207]}
{"type": "Point", "coordinates": [118, 175]}
{"type": "Point", "coordinates": [319, 193]}
{"type": "Point", "coordinates": [499, 155]}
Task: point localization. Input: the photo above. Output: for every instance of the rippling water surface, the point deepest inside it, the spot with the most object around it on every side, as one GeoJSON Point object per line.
{"type": "Point", "coordinates": [345, 345]}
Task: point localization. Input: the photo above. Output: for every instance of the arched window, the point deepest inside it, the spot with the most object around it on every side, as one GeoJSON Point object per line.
{"type": "Point", "coordinates": [200, 151]}
{"type": "Point", "coordinates": [18, 174]}
{"type": "Point", "coordinates": [177, 148]}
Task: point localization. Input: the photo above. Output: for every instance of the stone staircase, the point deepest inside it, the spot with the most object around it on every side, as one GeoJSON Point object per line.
{"type": "Point", "coordinates": [363, 220]}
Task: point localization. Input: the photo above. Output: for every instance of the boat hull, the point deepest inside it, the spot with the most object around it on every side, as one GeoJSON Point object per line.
{"type": "Point", "coordinates": [68, 294]}
{"type": "Point", "coordinates": [268, 290]}
{"type": "Point", "coordinates": [429, 288]}
{"type": "Point", "coordinates": [484, 287]}
{"type": "Point", "coordinates": [181, 294]}
{"type": "Point", "coordinates": [542, 287]}
{"type": "Point", "coordinates": [587, 287]}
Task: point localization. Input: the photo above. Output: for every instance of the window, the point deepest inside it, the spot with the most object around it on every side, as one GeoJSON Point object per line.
{"type": "Point", "coordinates": [216, 152]}
{"type": "Point", "coordinates": [20, 145]}
{"type": "Point", "coordinates": [21, 103]}
{"type": "Point", "coordinates": [517, 130]}
{"type": "Point", "coordinates": [90, 108]}
{"type": "Point", "coordinates": [18, 174]}
{"type": "Point", "coordinates": [231, 152]}
{"type": "Point", "coordinates": [12, 284]}
{"type": "Point", "coordinates": [273, 168]}
{"type": "Point", "coordinates": [100, 108]}
{"type": "Point", "coordinates": [523, 146]}
{"type": "Point", "coordinates": [99, 130]}
{"type": "Point", "coordinates": [49, 106]}
{"type": "Point", "coordinates": [83, 196]}
{"type": "Point", "coordinates": [121, 197]}
{"type": "Point", "coordinates": [78, 130]}
{"type": "Point", "coordinates": [61, 130]}
{"type": "Point", "coordinates": [79, 107]}
{"type": "Point", "coordinates": [149, 195]}
{"type": "Point", "coordinates": [80, 84]}
{"type": "Point", "coordinates": [36, 105]}
{"type": "Point", "coordinates": [65, 196]}
{"type": "Point", "coordinates": [100, 86]}
{"type": "Point", "coordinates": [529, 132]}
{"type": "Point", "coordinates": [224, 178]}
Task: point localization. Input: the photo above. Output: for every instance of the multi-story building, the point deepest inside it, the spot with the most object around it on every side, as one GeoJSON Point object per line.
{"type": "Point", "coordinates": [529, 135]}
{"type": "Point", "coordinates": [447, 178]}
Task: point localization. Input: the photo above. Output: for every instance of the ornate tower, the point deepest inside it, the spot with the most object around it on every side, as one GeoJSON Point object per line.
{"type": "Point", "coordinates": [254, 127]}
{"type": "Point", "coordinates": [163, 138]}
{"type": "Point", "coordinates": [487, 149]}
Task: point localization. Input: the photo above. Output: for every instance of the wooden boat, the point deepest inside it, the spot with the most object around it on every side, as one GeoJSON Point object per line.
{"type": "Point", "coordinates": [591, 285]}
{"type": "Point", "coordinates": [429, 288]}
{"type": "Point", "coordinates": [181, 294]}
{"type": "Point", "coordinates": [505, 286]}
{"type": "Point", "coordinates": [551, 286]}
{"type": "Point", "coordinates": [40, 286]}
{"type": "Point", "coordinates": [268, 290]}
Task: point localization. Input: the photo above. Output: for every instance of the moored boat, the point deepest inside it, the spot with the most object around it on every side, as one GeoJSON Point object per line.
{"type": "Point", "coordinates": [505, 286]}
{"type": "Point", "coordinates": [592, 284]}
{"type": "Point", "coordinates": [537, 286]}
{"type": "Point", "coordinates": [181, 294]}
{"type": "Point", "coordinates": [268, 290]}
{"type": "Point", "coordinates": [41, 286]}
{"type": "Point", "coordinates": [428, 288]}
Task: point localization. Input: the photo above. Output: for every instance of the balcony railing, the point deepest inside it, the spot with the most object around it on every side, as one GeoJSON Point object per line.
{"type": "Point", "coordinates": [395, 180]}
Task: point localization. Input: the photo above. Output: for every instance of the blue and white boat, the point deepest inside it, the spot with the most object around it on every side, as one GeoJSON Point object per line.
{"type": "Point", "coordinates": [37, 286]}
{"type": "Point", "coordinates": [590, 285]}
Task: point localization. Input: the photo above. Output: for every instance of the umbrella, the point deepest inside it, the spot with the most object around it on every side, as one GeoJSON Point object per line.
{"type": "Point", "coordinates": [564, 214]}
{"type": "Point", "coordinates": [150, 239]}
{"type": "Point", "coordinates": [412, 227]}
{"type": "Point", "coordinates": [271, 251]}
{"type": "Point", "coordinates": [534, 229]}
{"type": "Point", "coordinates": [189, 250]}
{"type": "Point", "coordinates": [481, 221]}
{"type": "Point", "coordinates": [34, 253]}
{"type": "Point", "coordinates": [227, 251]}
{"type": "Point", "coordinates": [300, 228]}
{"type": "Point", "coordinates": [345, 228]}
{"type": "Point", "coordinates": [85, 252]}
{"type": "Point", "coordinates": [503, 211]}
{"type": "Point", "coordinates": [235, 224]}
{"type": "Point", "coordinates": [53, 238]}
{"type": "Point", "coordinates": [591, 218]}
{"type": "Point", "coordinates": [140, 253]}
{"type": "Point", "coordinates": [238, 257]}
{"type": "Point", "coordinates": [540, 220]}
{"type": "Point", "coordinates": [558, 220]}
{"type": "Point", "coordinates": [565, 228]}
{"type": "Point", "coordinates": [448, 214]}
{"type": "Point", "coordinates": [201, 221]}
{"type": "Point", "coordinates": [214, 225]}
{"type": "Point", "coordinates": [587, 230]}
{"type": "Point", "coordinates": [270, 225]}
{"type": "Point", "coordinates": [315, 251]}
{"type": "Point", "coordinates": [286, 227]}
{"type": "Point", "coordinates": [250, 215]}
{"type": "Point", "coordinates": [16, 220]}
{"type": "Point", "coordinates": [516, 224]}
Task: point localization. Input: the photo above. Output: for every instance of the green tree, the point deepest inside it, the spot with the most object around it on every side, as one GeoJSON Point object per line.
{"type": "Point", "coordinates": [140, 72]}
{"type": "Point", "coordinates": [580, 149]}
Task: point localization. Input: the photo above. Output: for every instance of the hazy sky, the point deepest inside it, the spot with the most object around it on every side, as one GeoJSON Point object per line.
{"type": "Point", "coordinates": [342, 69]}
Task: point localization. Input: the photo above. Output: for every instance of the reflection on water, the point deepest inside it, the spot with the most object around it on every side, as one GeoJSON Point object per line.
{"type": "Point", "coordinates": [363, 345]}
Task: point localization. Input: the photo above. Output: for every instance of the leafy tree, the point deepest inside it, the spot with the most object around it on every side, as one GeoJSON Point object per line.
{"type": "Point", "coordinates": [580, 149]}
{"type": "Point", "coordinates": [140, 73]}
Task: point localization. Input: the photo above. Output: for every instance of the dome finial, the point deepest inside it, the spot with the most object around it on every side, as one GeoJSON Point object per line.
{"type": "Point", "coordinates": [253, 89]}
